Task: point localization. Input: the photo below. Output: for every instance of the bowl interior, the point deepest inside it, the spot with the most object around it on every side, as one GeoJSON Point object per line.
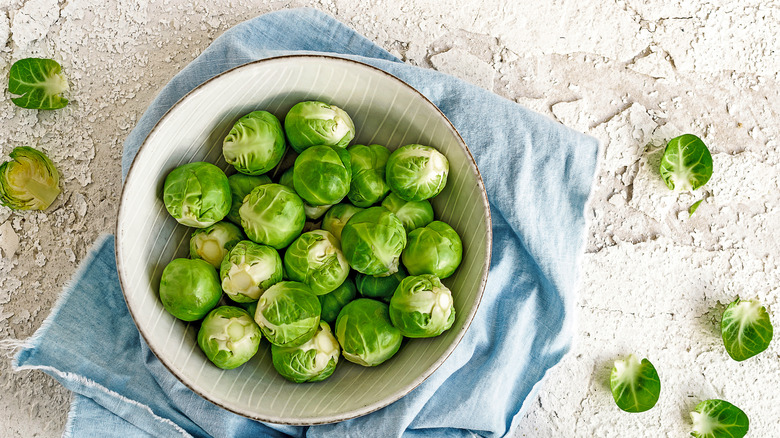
{"type": "Point", "coordinates": [385, 111]}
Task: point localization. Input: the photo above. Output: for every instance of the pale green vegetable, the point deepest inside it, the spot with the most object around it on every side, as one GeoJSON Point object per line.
{"type": "Point", "coordinates": [248, 270]}
{"type": "Point", "coordinates": [287, 178]}
{"type": "Point", "coordinates": [422, 307]}
{"type": "Point", "coordinates": [313, 212]}
{"type": "Point", "coordinates": [413, 214]}
{"type": "Point", "coordinates": [39, 84]}
{"type": "Point", "coordinates": [635, 385]}
{"type": "Point", "coordinates": [333, 302]}
{"type": "Point", "coordinates": [189, 288]}
{"type": "Point", "coordinates": [315, 258]}
{"type": "Point", "coordinates": [746, 329]}
{"type": "Point", "coordinates": [240, 186]}
{"type": "Point", "coordinates": [365, 333]}
{"type": "Point", "coordinates": [197, 194]}
{"type": "Point", "coordinates": [686, 163]}
{"type": "Point", "coordinates": [213, 243]}
{"type": "Point", "coordinates": [718, 419]}
{"type": "Point", "coordinates": [288, 314]}
{"type": "Point", "coordinates": [372, 241]}
{"type": "Point", "coordinates": [313, 361]}
{"type": "Point", "coordinates": [229, 337]}
{"type": "Point", "coordinates": [255, 144]}
{"type": "Point", "coordinates": [380, 288]}
{"type": "Point", "coordinates": [272, 215]}
{"type": "Point", "coordinates": [368, 184]}
{"type": "Point", "coordinates": [316, 123]}
{"type": "Point", "coordinates": [30, 181]}
{"type": "Point", "coordinates": [434, 249]}
{"type": "Point", "coordinates": [416, 172]}
{"type": "Point", "coordinates": [322, 175]}
{"type": "Point", "coordinates": [337, 216]}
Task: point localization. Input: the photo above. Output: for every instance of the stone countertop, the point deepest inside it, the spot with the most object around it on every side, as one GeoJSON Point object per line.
{"type": "Point", "coordinates": [632, 73]}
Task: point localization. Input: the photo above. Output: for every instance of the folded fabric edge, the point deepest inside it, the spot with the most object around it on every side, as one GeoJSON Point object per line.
{"type": "Point", "coordinates": [68, 432]}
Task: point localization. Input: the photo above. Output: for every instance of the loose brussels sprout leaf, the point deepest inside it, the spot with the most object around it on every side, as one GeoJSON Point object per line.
{"type": "Point", "coordinates": [189, 288]}
{"type": "Point", "coordinates": [316, 123]}
{"type": "Point", "coordinates": [311, 362]}
{"type": "Point", "coordinates": [692, 209]}
{"type": "Point", "coordinates": [337, 216]}
{"type": "Point", "coordinates": [248, 270]}
{"type": "Point", "coordinates": [213, 243]}
{"type": "Point", "coordinates": [434, 249]}
{"type": "Point", "coordinates": [322, 175]}
{"type": "Point", "coordinates": [412, 214]}
{"type": "Point", "coordinates": [718, 419]}
{"type": "Point", "coordinates": [288, 314]}
{"type": "Point", "coordinates": [30, 181]}
{"type": "Point", "coordinates": [686, 163]}
{"type": "Point", "coordinates": [255, 144]}
{"type": "Point", "coordinates": [365, 333]}
{"type": "Point", "coordinates": [416, 172]}
{"type": "Point", "coordinates": [315, 258]}
{"type": "Point", "coordinates": [333, 302]}
{"type": "Point", "coordinates": [368, 174]}
{"type": "Point", "coordinates": [746, 329]}
{"type": "Point", "coordinates": [635, 385]}
{"type": "Point", "coordinates": [197, 194]}
{"type": "Point", "coordinates": [272, 215]}
{"type": "Point", "coordinates": [240, 186]}
{"type": "Point", "coordinates": [372, 241]}
{"type": "Point", "coordinates": [422, 307]}
{"type": "Point", "coordinates": [39, 83]}
{"type": "Point", "coordinates": [380, 288]}
{"type": "Point", "coordinates": [229, 337]}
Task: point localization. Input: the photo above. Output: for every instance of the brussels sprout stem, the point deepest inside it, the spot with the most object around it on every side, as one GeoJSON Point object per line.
{"type": "Point", "coordinates": [44, 192]}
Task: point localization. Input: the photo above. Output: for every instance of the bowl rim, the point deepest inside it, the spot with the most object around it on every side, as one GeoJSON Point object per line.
{"type": "Point", "coordinates": [372, 407]}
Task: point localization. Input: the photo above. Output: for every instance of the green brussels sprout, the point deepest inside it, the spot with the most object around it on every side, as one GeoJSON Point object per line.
{"type": "Point", "coordinates": [288, 313]}
{"type": "Point", "coordinates": [333, 302]}
{"type": "Point", "coordinates": [434, 249]}
{"type": "Point", "coordinates": [287, 178]}
{"type": "Point", "coordinates": [313, 361]}
{"type": "Point", "coordinates": [322, 175]}
{"type": "Point", "coordinates": [240, 186]}
{"type": "Point", "coordinates": [229, 337]}
{"type": "Point", "coordinates": [248, 270]}
{"type": "Point", "coordinates": [189, 288]}
{"type": "Point", "coordinates": [312, 212]}
{"type": "Point", "coordinates": [416, 172]}
{"type": "Point", "coordinates": [255, 144]}
{"type": "Point", "coordinates": [365, 333]}
{"type": "Point", "coordinates": [379, 288]}
{"type": "Point", "coordinates": [413, 214]}
{"type": "Point", "coordinates": [422, 307]}
{"type": "Point", "coordinates": [337, 216]}
{"type": "Point", "coordinates": [38, 83]}
{"type": "Point", "coordinates": [30, 181]}
{"type": "Point", "coordinates": [635, 385]}
{"type": "Point", "coordinates": [316, 123]}
{"type": "Point", "coordinates": [372, 241]}
{"type": "Point", "coordinates": [368, 174]}
{"type": "Point", "coordinates": [197, 194]}
{"type": "Point", "coordinates": [718, 419]}
{"type": "Point", "coordinates": [686, 163]}
{"type": "Point", "coordinates": [213, 243]}
{"type": "Point", "coordinates": [315, 258]}
{"type": "Point", "coordinates": [273, 215]}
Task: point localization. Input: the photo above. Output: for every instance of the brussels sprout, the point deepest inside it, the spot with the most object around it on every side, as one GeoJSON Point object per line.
{"type": "Point", "coordinates": [229, 337]}
{"type": "Point", "coordinates": [311, 362]}
{"type": "Point", "coordinates": [240, 186]}
{"type": "Point", "coordinates": [422, 307]}
{"type": "Point", "coordinates": [288, 314]}
{"type": "Point", "coordinates": [413, 214]}
{"type": "Point", "coordinates": [248, 270]}
{"type": "Point", "coordinates": [287, 178]}
{"type": "Point", "coordinates": [686, 163]}
{"type": "Point", "coordinates": [368, 174]}
{"type": "Point", "coordinates": [333, 302]}
{"type": "Point", "coordinates": [635, 385]}
{"type": "Point", "coordinates": [213, 243]}
{"type": "Point", "coordinates": [719, 419]}
{"type": "Point", "coordinates": [189, 288]}
{"type": "Point", "coordinates": [315, 258]}
{"type": "Point", "coordinates": [365, 333]}
{"type": "Point", "coordinates": [322, 175]}
{"type": "Point", "coordinates": [30, 181]}
{"type": "Point", "coordinates": [39, 83]}
{"type": "Point", "coordinates": [273, 215]}
{"type": "Point", "coordinates": [313, 212]}
{"type": "Point", "coordinates": [380, 288]}
{"type": "Point", "coordinates": [256, 144]}
{"type": "Point", "coordinates": [197, 194]}
{"type": "Point", "coordinates": [416, 172]}
{"type": "Point", "coordinates": [434, 249]}
{"type": "Point", "coordinates": [316, 123]}
{"type": "Point", "coordinates": [746, 329]}
{"type": "Point", "coordinates": [337, 216]}
{"type": "Point", "coordinates": [372, 241]}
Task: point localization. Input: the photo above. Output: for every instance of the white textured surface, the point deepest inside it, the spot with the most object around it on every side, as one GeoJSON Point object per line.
{"type": "Point", "coordinates": [634, 73]}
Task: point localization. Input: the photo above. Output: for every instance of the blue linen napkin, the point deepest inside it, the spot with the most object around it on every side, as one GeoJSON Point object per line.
{"type": "Point", "coordinates": [538, 176]}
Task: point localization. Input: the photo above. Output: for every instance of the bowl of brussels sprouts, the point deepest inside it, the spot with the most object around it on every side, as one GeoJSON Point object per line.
{"type": "Point", "coordinates": [303, 239]}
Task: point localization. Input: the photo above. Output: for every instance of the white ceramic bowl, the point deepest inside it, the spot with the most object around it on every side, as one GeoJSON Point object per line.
{"type": "Point", "coordinates": [385, 111]}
